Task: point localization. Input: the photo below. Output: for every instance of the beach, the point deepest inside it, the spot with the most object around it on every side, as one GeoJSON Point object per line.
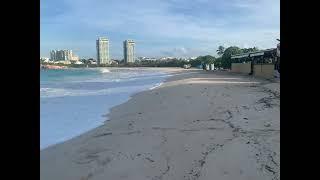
{"type": "Point", "coordinates": [196, 125]}
{"type": "Point", "coordinates": [75, 100]}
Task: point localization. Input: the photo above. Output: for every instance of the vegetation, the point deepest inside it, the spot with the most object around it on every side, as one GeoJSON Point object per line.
{"type": "Point", "coordinates": [208, 59]}
{"type": "Point", "coordinates": [247, 50]}
{"type": "Point", "coordinates": [159, 63]}
{"type": "Point", "coordinates": [220, 50]}
{"type": "Point", "coordinates": [226, 57]}
{"type": "Point", "coordinates": [224, 60]}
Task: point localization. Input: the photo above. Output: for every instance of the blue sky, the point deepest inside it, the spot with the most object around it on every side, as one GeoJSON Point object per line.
{"type": "Point", "coordinates": [159, 27]}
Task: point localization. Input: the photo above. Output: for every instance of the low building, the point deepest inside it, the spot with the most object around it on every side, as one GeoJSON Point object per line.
{"type": "Point", "coordinates": [78, 62]}
{"type": "Point", "coordinates": [259, 63]}
{"type": "Point", "coordinates": [47, 61]}
{"type": "Point", "coordinates": [75, 62]}
{"type": "Point", "coordinates": [75, 58]}
{"type": "Point", "coordinates": [258, 57]}
{"type": "Point", "coordinates": [62, 62]}
{"type": "Point", "coordinates": [93, 62]}
{"type": "Point", "coordinates": [150, 59]}
{"type": "Point", "coordinates": [141, 58]}
{"type": "Point", "coordinates": [44, 59]}
{"type": "Point", "coordinates": [114, 62]}
{"type": "Point", "coordinates": [167, 58]}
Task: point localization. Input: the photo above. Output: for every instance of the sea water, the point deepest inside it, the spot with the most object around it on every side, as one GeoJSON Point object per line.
{"type": "Point", "coordinates": [73, 101]}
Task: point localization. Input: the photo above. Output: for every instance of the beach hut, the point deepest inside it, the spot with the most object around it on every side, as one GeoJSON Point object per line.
{"type": "Point", "coordinates": [262, 62]}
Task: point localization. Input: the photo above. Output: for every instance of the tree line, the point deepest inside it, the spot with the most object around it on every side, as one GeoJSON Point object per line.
{"type": "Point", "coordinates": [224, 56]}
{"type": "Point", "coordinates": [222, 61]}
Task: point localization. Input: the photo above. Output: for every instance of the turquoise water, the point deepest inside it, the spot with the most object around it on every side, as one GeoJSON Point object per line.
{"type": "Point", "coordinates": [73, 101]}
{"type": "Point", "coordinates": [48, 76]}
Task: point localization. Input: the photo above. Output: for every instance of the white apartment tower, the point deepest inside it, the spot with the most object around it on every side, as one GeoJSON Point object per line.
{"type": "Point", "coordinates": [102, 50]}
{"type": "Point", "coordinates": [61, 55]}
{"type": "Point", "coordinates": [128, 51]}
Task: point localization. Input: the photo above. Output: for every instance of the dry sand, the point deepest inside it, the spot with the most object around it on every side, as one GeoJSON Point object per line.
{"type": "Point", "coordinates": [197, 125]}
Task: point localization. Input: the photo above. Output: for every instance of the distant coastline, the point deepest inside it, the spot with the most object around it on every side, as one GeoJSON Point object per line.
{"type": "Point", "coordinates": [52, 67]}
{"type": "Point", "coordinates": [65, 66]}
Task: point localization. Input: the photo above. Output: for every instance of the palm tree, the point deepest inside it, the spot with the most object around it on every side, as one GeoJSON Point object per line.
{"type": "Point", "coordinates": [220, 50]}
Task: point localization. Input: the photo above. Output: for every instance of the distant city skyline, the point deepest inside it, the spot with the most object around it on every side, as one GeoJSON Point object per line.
{"type": "Point", "coordinates": [180, 28]}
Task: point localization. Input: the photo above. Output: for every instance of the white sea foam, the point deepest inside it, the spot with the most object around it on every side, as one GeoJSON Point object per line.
{"type": "Point", "coordinates": [83, 103]}
{"type": "Point", "coordinates": [104, 70]}
{"type": "Point", "coordinates": [60, 92]}
{"type": "Point", "coordinates": [156, 86]}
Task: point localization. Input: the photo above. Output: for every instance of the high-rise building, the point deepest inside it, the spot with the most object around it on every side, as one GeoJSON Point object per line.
{"type": "Point", "coordinates": [128, 51]}
{"type": "Point", "coordinates": [102, 44]}
{"type": "Point", "coordinates": [53, 55]}
{"type": "Point", "coordinates": [61, 55]}
{"type": "Point", "coordinates": [68, 54]}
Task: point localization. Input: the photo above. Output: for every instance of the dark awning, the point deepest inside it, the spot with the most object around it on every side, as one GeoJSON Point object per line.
{"type": "Point", "coordinates": [253, 54]}
{"type": "Point", "coordinates": [240, 56]}
{"type": "Point", "coordinates": [257, 54]}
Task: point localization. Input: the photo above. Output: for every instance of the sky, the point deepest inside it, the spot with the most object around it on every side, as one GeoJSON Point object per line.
{"type": "Point", "coordinates": [180, 28]}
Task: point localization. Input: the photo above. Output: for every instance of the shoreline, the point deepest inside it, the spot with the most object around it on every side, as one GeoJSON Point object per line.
{"type": "Point", "coordinates": [52, 67]}
{"type": "Point", "coordinates": [188, 128]}
{"type": "Point", "coordinates": [166, 71]}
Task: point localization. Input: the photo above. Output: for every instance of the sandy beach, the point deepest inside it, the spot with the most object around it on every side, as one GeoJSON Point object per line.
{"type": "Point", "coordinates": [197, 125]}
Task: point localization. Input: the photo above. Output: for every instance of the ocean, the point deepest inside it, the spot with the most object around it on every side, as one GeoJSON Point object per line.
{"type": "Point", "coordinates": [73, 101]}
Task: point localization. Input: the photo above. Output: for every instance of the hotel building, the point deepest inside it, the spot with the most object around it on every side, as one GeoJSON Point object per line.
{"type": "Point", "coordinates": [128, 51]}
{"type": "Point", "coordinates": [102, 45]}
